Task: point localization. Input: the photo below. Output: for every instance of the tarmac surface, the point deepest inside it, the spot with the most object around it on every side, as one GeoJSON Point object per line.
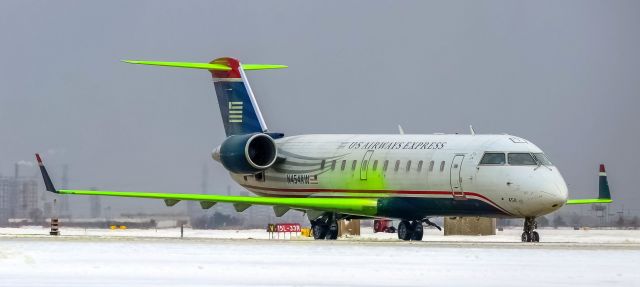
{"type": "Point", "coordinates": [138, 258]}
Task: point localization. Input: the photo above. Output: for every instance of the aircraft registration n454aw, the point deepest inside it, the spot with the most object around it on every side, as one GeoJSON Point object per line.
{"type": "Point", "coordinates": [352, 176]}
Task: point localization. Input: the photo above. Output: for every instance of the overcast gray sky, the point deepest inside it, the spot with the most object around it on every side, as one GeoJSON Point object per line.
{"type": "Point", "coordinates": [563, 74]}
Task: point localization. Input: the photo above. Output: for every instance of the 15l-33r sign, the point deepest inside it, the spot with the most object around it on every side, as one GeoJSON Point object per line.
{"type": "Point", "coordinates": [288, 227]}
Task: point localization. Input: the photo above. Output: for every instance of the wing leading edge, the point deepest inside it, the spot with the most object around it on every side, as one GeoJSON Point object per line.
{"type": "Point", "coordinates": [353, 206]}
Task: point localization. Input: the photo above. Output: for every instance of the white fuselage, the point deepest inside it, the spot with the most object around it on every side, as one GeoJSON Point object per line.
{"type": "Point", "coordinates": [432, 175]}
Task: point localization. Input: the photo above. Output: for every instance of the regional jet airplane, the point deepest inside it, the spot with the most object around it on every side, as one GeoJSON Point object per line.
{"type": "Point", "coordinates": [352, 176]}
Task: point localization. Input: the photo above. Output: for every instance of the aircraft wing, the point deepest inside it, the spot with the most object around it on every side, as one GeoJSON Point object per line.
{"type": "Point", "coordinates": [589, 201]}
{"type": "Point", "coordinates": [353, 206]}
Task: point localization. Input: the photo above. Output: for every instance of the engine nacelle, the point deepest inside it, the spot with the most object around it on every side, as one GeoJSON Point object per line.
{"type": "Point", "coordinates": [247, 154]}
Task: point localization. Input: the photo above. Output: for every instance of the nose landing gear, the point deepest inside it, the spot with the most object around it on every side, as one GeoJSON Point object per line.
{"type": "Point", "coordinates": [528, 234]}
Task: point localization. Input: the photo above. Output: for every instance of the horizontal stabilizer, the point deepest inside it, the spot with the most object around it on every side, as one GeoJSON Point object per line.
{"type": "Point", "coordinates": [206, 66]}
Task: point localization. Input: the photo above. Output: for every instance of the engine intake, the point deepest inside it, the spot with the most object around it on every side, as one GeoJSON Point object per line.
{"type": "Point", "coordinates": [247, 154]}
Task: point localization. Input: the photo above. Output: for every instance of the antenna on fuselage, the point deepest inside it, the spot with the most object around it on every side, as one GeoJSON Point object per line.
{"type": "Point", "coordinates": [400, 130]}
{"type": "Point", "coordinates": [473, 132]}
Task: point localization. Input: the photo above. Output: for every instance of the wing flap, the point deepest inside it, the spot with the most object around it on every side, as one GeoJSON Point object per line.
{"type": "Point", "coordinates": [207, 204]}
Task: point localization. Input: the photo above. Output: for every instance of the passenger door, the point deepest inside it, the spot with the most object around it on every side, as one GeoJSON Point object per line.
{"type": "Point", "coordinates": [455, 177]}
{"type": "Point", "coordinates": [364, 165]}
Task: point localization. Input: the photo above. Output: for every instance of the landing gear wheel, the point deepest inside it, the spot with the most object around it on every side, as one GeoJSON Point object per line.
{"type": "Point", "coordinates": [319, 231]}
{"type": "Point", "coordinates": [332, 231]}
{"type": "Point", "coordinates": [418, 231]}
{"type": "Point", "coordinates": [528, 234]}
{"type": "Point", "coordinates": [535, 237]}
{"type": "Point", "coordinates": [405, 230]}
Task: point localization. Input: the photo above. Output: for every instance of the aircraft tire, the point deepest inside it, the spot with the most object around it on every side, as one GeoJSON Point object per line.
{"type": "Point", "coordinates": [405, 230]}
{"type": "Point", "coordinates": [418, 231]}
{"type": "Point", "coordinates": [525, 237]}
{"type": "Point", "coordinates": [319, 231]}
{"type": "Point", "coordinates": [332, 231]}
{"type": "Point", "coordinates": [535, 237]}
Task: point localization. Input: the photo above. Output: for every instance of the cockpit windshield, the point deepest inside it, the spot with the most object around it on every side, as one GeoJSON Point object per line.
{"type": "Point", "coordinates": [493, 158]}
{"type": "Point", "coordinates": [542, 159]}
{"type": "Point", "coordinates": [515, 158]}
{"type": "Point", "coordinates": [521, 159]}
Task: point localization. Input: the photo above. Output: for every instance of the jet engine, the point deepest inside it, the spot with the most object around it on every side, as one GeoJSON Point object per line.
{"type": "Point", "coordinates": [247, 154]}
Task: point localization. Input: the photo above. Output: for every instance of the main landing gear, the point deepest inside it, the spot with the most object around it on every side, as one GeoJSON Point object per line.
{"type": "Point", "coordinates": [529, 235]}
{"type": "Point", "coordinates": [325, 227]}
{"type": "Point", "coordinates": [410, 230]}
{"type": "Point", "coordinates": [413, 230]}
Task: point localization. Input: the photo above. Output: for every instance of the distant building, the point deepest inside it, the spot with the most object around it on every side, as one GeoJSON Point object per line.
{"type": "Point", "coordinates": [19, 198]}
{"type": "Point", "coordinates": [8, 199]}
{"type": "Point", "coordinates": [96, 206]}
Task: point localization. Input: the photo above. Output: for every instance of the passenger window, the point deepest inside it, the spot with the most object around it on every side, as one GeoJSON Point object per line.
{"type": "Point", "coordinates": [495, 158]}
{"type": "Point", "coordinates": [431, 166]}
{"type": "Point", "coordinates": [442, 166]}
{"type": "Point", "coordinates": [353, 165]}
{"type": "Point", "coordinates": [397, 165]}
{"type": "Point", "coordinates": [419, 166]}
{"type": "Point", "coordinates": [521, 159]}
{"type": "Point", "coordinates": [385, 165]}
{"type": "Point", "coordinates": [333, 164]}
{"type": "Point", "coordinates": [408, 166]}
{"type": "Point", "coordinates": [344, 163]}
{"type": "Point", "coordinates": [375, 164]}
{"type": "Point", "coordinates": [322, 164]}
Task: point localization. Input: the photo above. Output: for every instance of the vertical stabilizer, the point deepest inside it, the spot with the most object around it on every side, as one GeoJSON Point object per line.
{"type": "Point", "coordinates": [238, 107]}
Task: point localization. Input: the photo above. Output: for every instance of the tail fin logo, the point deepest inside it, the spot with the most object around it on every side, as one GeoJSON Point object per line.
{"type": "Point", "coordinates": [235, 112]}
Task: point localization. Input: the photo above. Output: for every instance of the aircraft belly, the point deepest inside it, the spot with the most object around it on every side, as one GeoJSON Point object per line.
{"type": "Point", "coordinates": [418, 208]}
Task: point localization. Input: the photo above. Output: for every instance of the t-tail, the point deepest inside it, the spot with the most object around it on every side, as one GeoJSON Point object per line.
{"type": "Point", "coordinates": [604, 195]}
{"type": "Point", "coordinates": [238, 107]}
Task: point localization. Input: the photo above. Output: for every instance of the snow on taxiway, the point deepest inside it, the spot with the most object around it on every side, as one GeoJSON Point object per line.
{"type": "Point", "coordinates": [136, 259]}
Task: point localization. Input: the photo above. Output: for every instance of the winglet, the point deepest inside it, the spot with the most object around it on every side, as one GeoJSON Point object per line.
{"type": "Point", "coordinates": [603, 187]}
{"type": "Point", "coordinates": [45, 175]}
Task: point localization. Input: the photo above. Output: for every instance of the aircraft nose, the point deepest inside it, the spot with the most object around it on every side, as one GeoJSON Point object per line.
{"type": "Point", "coordinates": [558, 196]}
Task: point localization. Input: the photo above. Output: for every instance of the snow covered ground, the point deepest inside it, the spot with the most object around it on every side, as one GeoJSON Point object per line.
{"type": "Point", "coordinates": [215, 257]}
{"type": "Point", "coordinates": [431, 234]}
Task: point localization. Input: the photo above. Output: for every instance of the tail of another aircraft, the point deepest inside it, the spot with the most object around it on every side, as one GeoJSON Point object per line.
{"type": "Point", "coordinates": [238, 106]}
